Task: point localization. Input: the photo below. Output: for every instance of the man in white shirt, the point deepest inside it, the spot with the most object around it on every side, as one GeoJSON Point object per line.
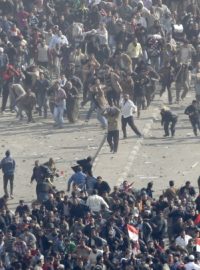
{"type": "Point", "coordinates": [183, 239]}
{"type": "Point", "coordinates": [94, 202]}
{"type": "Point", "coordinates": [59, 39]}
{"type": "Point", "coordinates": [191, 265]}
{"type": "Point", "coordinates": [127, 110]}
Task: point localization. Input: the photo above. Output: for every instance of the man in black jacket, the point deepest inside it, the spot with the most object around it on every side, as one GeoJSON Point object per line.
{"type": "Point", "coordinates": [86, 165]}
{"type": "Point", "coordinates": [102, 186]}
{"type": "Point", "coordinates": [194, 115]}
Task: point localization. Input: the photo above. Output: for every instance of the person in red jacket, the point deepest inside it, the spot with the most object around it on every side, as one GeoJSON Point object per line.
{"type": "Point", "coordinates": [8, 77]}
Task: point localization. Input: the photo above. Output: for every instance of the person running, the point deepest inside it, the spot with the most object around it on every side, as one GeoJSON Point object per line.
{"type": "Point", "coordinates": [194, 115]}
{"type": "Point", "coordinates": [168, 118]}
{"type": "Point", "coordinates": [127, 110]}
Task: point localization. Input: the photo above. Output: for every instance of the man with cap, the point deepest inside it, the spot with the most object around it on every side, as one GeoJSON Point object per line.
{"type": "Point", "coordinates": [8, 168]}
{"type": "Point", "coordinates": [191, 265]}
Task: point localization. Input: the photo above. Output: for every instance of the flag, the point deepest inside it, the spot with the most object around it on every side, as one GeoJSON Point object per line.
{"type": "Point", "coordinates": [133, 232]}
{"type": "Point", "coordinates": [197, 244]}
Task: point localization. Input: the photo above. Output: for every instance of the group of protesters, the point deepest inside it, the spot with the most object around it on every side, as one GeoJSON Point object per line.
{"type": "Point", "coordinates": [92, 226]}
{"type": "Point", "coordinates": [58, 55]}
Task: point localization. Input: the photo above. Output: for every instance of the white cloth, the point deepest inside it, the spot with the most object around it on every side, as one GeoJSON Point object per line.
{"type": "Point", "coordinates": [93, 257]}
{"type": "Point", "coordinates": [185, 55]}
{"type": "Point", "coordinates": [128, 108]}
{"type": "Point", "coordinates": [2, 247]}
{"type": "Point", "coordinates": [42, 53]}
{"type": "Point", "coordinates": [192, 266]}
{"type": "Point", "coordinates": [180, 241]}
{"type": "Point", "coordinates": [103, 36]}
{"type": "Point", "coordinates": [94, 202]}
{"type": "Point", "coordinates": [58, 40]}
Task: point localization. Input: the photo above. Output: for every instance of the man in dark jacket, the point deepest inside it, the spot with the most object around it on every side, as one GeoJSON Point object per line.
{"type": "Point", "coordinates": [168, 118]}
{"type": "Point", "coordinates": [194, 115]}
{"type": "Point", "coordinates": [41, 88]}
{"type": "Point", "coordinates": [102, 186]}
{"type": "Point", "coordinates": [159, 226]}
{"type": "Point", "coordinates": [86, 165]}
{"type": "Point", "coordinates": [8, 168]}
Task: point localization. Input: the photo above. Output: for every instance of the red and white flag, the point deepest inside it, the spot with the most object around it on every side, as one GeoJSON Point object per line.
{"type": "Point", "coordinates": [133, 232]}
{"type": "Point", "coordinates": [197, 244]}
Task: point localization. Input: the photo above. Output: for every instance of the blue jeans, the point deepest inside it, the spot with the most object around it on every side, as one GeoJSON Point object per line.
{"type": "Point", "coordinates": [101, 118]}
{"type": "Point", "coordinates": [58, 115]}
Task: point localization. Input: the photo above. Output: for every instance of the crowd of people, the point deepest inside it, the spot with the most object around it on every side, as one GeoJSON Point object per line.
{"type": "Point", "coordinates": [58, 55]}
{"type": "Point", "coordinates": [94, 227]}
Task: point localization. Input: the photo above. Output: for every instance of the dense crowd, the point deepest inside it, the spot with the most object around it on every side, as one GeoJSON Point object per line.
{"type": "Point", "coordinates": [58, 55]}
{"type": "Point", "coordinates": [92, 226]}
{"type": "Point", "coordinates": [54, 52]}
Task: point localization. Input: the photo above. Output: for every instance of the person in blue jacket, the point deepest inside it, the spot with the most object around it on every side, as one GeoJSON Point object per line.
{"type": "Point", "coordinates": [8, 168]}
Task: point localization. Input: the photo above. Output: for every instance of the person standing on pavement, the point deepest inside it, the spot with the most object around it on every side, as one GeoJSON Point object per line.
{"type": "Point", "coordinates": [72, 102]}
{"type": "Point", "coordinates": [112, 114]}
{"type": "Point", "coordinates": [59, 105]}
{"type": "Point", "coordinates": [186, 52]}
{"type": "Point", "coordinates": [168, 118]}
{"type": "Point", "coordinates": [127, 110]}
{"type": "Point", "coordinates": [8, 168]}
{"type": "Point", "coordinates": [41, 88]}
{"type": "Point", "coordinates": [193, 112]}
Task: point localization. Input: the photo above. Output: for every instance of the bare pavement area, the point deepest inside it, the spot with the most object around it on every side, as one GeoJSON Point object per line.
{"type": "Point", "coordinates": [40, 141]}
{"type": "Point", "coordinates": [152, 158]}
